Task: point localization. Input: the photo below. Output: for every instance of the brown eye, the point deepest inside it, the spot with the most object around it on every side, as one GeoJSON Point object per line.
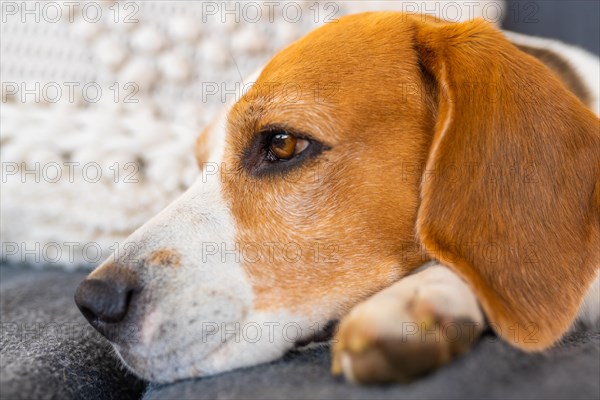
{"type": "Point", "coordinates": [276, 150]}
{"type": "Point", "coordinates": [284, 146]}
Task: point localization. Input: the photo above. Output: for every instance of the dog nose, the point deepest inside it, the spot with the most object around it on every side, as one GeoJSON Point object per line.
{"type": "Point", "coordinates": [103, 301]}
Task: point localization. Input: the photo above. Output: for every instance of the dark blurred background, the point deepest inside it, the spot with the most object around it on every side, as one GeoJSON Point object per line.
{"type": "Point", "coordinates": [571, 21]}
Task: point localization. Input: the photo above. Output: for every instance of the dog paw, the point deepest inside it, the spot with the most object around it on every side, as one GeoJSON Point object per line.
{"type": "Point", "coordinates": [407, 330]}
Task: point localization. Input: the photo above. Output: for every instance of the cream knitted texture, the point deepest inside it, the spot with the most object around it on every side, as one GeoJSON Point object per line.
{"type": "Point", "coordinates": [101, 107]}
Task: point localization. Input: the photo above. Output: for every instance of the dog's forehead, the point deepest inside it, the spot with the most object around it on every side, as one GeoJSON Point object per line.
{"type": "Point", "coordinates": [322, 81]}
{"type": "Point", "coordinates": [343, 46]}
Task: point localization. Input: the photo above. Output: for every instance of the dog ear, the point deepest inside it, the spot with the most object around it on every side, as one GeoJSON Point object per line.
{"type": "Point", "coordinates": [510, 196]}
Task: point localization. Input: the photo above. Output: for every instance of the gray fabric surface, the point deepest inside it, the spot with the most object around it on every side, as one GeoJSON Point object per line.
{"type": "Point", "coordinates": [79, 364]}
{"type": "Point", "coordinates": [47, 348]}
{"type": "Point", "coordinates": [492, 370]}
{"type": "Point", "coordinates": [571, 21]}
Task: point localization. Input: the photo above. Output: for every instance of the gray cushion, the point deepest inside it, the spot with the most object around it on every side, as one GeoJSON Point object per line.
{"type": "Point", "coordinates": [47, 348]}
{"type": "Point", "coordinates": [45, 362]}
{"type": "Point", "coordinates": [492, 370]}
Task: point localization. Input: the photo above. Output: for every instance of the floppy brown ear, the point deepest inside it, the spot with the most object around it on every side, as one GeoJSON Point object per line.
{"type": "Point", "coordinates": [511, 190]}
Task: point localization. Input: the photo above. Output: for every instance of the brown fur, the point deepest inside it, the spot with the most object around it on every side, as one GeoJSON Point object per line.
{"type": "Point", "coordinates": [367, 217]}
{"type": "Point", "coordinates": [563, 70]}
{"type": "Point", "coordinates": [202, 146]}
{"type": "Point", "coordinates": [413, 98]}
{"type": "Point", "coordinates": [545, 225]}
{"type": "Point", "coordinates": [166, 257]}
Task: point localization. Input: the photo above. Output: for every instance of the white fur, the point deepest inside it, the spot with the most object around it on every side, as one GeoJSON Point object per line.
{"type": "Point", "coordinates": [388, 313]}
{"type": "Point", "coordinates": [184, 311]}
{"type": "Point", "coordinates": [589, 313]}
{"type": "Point", "coordinates": [204, 288]}
{"type": "Point", "coordinates": [216, 134]}
{"type": "Point", "coordinates": [183, 328]}
{"type": "Point", "coordinates": [175, 344]}
{"type": "Point", "coordinates": [435, 284]}
{"type": "Point", "coordinates": [436, 287]}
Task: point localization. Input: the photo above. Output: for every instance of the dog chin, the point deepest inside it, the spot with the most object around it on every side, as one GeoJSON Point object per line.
{"type": "Point", "coordinates": [188, 363]}
{"type": "Point", "coordinates": [168, 367]}
{"type": "Point", "coordinates": [244, 344]}
{"type": "Point", "coordinates": [264, 338]}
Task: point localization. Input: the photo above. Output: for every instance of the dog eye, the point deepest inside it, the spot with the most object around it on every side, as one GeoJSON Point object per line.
{"type": "Point", "coordinates": [277, 150]}
{"type": "Point", "coordinates": [284, 146]}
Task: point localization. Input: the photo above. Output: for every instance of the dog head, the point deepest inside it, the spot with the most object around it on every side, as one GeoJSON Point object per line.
{"type": "Point", "coordinates": [363, 150]}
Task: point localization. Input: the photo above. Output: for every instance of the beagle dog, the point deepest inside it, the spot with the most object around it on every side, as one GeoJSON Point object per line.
{"type": "Point", "coordinates": [416, 179]}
